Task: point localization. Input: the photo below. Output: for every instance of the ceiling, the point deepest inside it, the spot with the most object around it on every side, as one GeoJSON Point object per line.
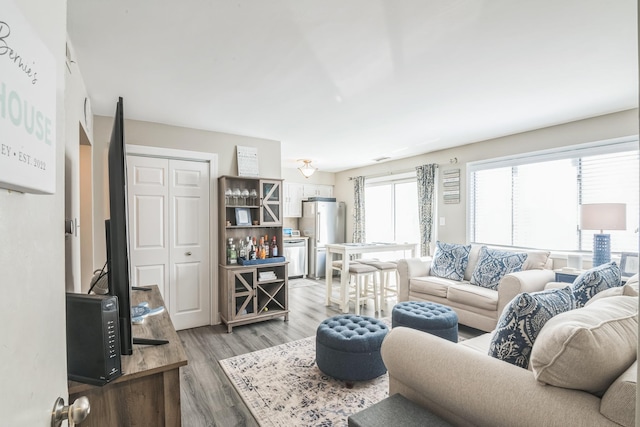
{"type": "Point", "coordinates": [346, 82]}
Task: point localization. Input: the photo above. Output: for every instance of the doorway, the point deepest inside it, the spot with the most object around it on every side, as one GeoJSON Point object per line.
{"type": "Point", "coordinates": [170, 195]}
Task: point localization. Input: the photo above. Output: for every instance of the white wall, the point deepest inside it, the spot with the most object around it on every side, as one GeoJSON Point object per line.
{"type": "Point", "coordinates": [32, 262]}
{"type": "Point", "coordinates": [75, 94]}
{"type": "Point", "coordinates": [620, 124]}
{"type": "Point", "coordinates": [166, 136]}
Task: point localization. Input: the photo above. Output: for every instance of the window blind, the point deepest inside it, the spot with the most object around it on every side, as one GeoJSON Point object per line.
{"type": "Point", "coordinates": [533, 200]}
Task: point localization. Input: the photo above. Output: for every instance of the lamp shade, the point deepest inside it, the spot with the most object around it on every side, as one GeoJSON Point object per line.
{"type": "Point", "coordinates": [307, 170]}
{"type": "Point", "coordinates": [603, 216]}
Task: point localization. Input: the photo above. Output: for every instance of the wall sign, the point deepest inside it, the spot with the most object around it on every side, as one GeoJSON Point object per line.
{"type": "Point", "coordinates": [247, 161]}
{"type": "Point", "coordinates": [451, 186]}
{"type": "Point", "coordinates": [27, 106]}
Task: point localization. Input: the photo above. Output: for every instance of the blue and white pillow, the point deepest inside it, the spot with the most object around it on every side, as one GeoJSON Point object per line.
{"type": "Point", "coordinates": [450, 260]}
{"type": "Point", "coordinates": [597, 279]}
{"type": "Point", "coordinates": [494, 264]}
{"type": "Point", "coordinates": [522, 320]}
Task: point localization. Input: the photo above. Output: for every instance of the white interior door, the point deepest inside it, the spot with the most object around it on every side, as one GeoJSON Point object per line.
{"type": "Point", "coordinates": [189, 243]}
{"type": "Point", "coordinates": [169, 234]}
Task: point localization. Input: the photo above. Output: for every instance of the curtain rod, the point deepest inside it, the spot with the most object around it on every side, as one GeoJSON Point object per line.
{"type": "Point", "coordinates": [378, 175]}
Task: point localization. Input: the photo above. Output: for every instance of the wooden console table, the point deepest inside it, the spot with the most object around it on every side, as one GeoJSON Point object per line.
{"type": "Point", "coordinates": [148, 392]}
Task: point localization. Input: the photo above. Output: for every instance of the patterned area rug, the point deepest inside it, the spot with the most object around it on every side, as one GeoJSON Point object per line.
{"type": "Point", "coordinates": [282, 386]}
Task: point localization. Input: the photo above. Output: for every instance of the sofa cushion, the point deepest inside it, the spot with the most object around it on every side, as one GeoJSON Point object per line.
{"type": "Point", "coordinates": [536, 260]}
{"type": "Point", "coordinates": [522, 320]}
{"type": "Point", "coordinates": [494, 264]}
{"type": "Point", "coordinates": [597, 279]}
{"type": "Point", "coordinates": [450, 260]}
{"type": "Point", "coordinates": [473, 296]}
{"type": "Point", "coordinates": [619, 401]}
{"type": "Point", "coordinates": [588, 348]}
{"type": "Point", "coordinates": [430, 285]}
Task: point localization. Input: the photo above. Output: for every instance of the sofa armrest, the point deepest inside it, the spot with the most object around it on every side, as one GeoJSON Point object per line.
{"type": "Point", "coordinates": [468, 387]}
{"type": "Point", "coordinates": [411, 267]}
{"type": "Point", "coordinates": [521, 281]}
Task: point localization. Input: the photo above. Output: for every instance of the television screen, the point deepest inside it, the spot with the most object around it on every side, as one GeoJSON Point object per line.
{"type": "Point", "coordinates": [118, 236]}
{"type": "Point", "coordinates": [116, 229]}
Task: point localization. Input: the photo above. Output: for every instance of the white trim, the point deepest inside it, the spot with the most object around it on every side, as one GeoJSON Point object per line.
{"type": "Point", "coordinates": [212, 159]}
{"type": "Point", "coordinates": [148, 151]}
{"type": "Point", "coordinates": [627, 143]}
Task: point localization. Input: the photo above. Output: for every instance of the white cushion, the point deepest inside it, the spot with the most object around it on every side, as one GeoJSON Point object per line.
{"type": "Point", "coordinates": [588, 348]}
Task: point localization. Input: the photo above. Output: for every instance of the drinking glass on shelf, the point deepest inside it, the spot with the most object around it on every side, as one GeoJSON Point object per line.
{"type": "Point", "coordinates": [236, 196]}
{"type": "Point", "coordinates": [228, 196]}
{"type": "Point", "coordinates": [245, 196]}
{"type": "Point", "coordinates": [253, 197]}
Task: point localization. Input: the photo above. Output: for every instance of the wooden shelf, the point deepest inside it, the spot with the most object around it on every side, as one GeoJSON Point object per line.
{"type": "Point", "coordinates": [245, 299]}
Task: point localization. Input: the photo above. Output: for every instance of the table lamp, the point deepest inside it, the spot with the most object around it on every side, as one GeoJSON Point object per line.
{"type": "Point", "coordinates": [603, 216]}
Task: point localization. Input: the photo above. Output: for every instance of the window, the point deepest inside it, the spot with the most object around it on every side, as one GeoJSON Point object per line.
{"type": "Point", "coordinates": [533, 200]}
{"type": "Point", "coordinates": [391, 210]}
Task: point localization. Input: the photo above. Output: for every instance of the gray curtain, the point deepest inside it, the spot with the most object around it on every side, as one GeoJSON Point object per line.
{"type": "Point", "coordinates": [358, 209]}
{"type": "Point", "coordinates": [426, 176]}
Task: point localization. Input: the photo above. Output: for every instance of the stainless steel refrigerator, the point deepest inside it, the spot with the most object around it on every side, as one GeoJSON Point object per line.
{"type": "Point", "coordinates": [323, 222]}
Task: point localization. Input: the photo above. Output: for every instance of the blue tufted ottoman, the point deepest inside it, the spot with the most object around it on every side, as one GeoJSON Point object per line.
{"type": "Point", "coordinates": [348, 347]}
{"type": "Point", "coordinates": [436, 319]}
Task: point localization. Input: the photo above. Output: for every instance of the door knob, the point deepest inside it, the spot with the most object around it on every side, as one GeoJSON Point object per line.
{"type": "Point", "coordinates": [188, 253]}
{"type": "Point", "coordinates": [75, 413]}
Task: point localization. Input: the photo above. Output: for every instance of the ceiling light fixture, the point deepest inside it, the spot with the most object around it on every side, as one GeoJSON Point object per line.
{"type": "Point", "coordinates": [307, 170]}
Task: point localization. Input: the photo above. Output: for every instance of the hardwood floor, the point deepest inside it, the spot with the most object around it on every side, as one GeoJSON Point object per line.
{"type": "Point", "coordinates": [207, 396]}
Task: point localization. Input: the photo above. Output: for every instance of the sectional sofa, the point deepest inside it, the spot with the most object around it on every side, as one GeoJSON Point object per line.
{"type": "Point", "coordinates": [582, 372]}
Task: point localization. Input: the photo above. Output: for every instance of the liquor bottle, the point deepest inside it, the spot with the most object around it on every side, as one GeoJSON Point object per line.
{"type": "Point", "coordinates": [274, 247]}
{"type": "Point", "coordinates": [261, 254]}
{"type": "Point", "coordinates": [242, 250]}
{"type": "Point", "coordinates": [266, 246]}
{"type": "Point", "coordinates": [229, 243]}
{"type": "Point", "coordinates": [254, 250]}
{"type": "Point", "coordinates": [233, 255]}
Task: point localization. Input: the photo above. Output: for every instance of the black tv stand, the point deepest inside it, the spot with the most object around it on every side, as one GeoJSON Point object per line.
{"type": "Point", "coordinates": [149, 341]}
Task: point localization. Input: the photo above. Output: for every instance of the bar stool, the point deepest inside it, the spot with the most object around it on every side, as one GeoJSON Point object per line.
{"type": "Point", "coordinates": [385, 269]}
{"type": "Point", "coordinates": [360, 275]}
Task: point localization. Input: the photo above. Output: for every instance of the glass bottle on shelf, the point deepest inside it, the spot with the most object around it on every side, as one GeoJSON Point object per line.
{"type": "Point", "coordinates": [254, 250]}
{"type": "Point", "coordinates": [253, 197]}
{"type": "Point", "coordinates": [228, 196]}
{"type": "Point", "coordinates": [274, 247]}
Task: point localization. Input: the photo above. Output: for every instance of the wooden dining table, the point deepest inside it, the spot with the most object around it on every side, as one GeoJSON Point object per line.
{"type": "Point", "coordinates": [346, 251]}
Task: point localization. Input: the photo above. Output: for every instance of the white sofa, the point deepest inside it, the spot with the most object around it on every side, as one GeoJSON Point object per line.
{"type": "Point", "coordinates": [476, 306]}
{"type": "Point", "coordinates": [462, 384]}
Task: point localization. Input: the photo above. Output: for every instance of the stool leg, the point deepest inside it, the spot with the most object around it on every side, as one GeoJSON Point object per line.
{"type": "Point", "coordinates": [357, 294]}
{"type": "Point", "coordinates": [376, 293]}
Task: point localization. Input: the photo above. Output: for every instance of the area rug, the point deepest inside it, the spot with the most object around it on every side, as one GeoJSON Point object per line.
{"type": "Point", "coordinates": [282, 386]}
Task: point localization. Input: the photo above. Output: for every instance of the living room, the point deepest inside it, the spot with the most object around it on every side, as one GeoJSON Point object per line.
{"type": "Point", "coordinates": [35, 239]}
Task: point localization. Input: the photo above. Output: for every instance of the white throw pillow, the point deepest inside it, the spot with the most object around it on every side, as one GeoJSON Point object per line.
{"type": "Point", "coordinates": [588, 348]}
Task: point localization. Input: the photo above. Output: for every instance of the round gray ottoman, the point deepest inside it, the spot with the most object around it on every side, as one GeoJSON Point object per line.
{"type": "Point", "coordinates": [348, 347]}
{"type": "Point", "coordinates": [436, 319]}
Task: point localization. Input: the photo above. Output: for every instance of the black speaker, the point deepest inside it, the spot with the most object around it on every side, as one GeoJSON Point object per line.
{"type": "Point", "coordinates": [93, 338]}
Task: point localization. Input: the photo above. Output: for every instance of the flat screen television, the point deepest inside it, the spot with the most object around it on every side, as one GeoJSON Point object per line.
{"type": "Point", "coordinates": [117, 235]}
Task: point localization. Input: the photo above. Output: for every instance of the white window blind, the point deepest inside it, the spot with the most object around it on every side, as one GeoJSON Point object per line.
{"type": "Point", "coordinates": [533, 201]}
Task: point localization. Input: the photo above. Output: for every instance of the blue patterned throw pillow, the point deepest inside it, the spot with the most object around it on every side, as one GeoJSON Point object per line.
{"type": "Point", "coordinates": [450, 260]}
{"type": "Point", "coordinates": [522, 320]}
{"type": "Point", "coordinates": [597, 279]}
{"type": "Point", "coordinates": [494, 264]}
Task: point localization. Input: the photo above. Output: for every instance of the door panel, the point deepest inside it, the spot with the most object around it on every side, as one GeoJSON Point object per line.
{"type": "Point", "coordinates": [189, 244]}
{"type": "Point", "coordinates": [187, 297]}
{"type": "Point", "coordinates": [148, 194]}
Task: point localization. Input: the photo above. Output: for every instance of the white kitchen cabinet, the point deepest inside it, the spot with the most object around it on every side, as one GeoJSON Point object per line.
{"type": "Point", "coordinates": [317, 190]}
{"type": "Point", "coordinates": [293, 195]}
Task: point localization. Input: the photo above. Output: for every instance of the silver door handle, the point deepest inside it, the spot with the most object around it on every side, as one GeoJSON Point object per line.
{"type": "Point", "coordinates": [187, 253]}
{"type": "Point", "coordinates": [75, 413]}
